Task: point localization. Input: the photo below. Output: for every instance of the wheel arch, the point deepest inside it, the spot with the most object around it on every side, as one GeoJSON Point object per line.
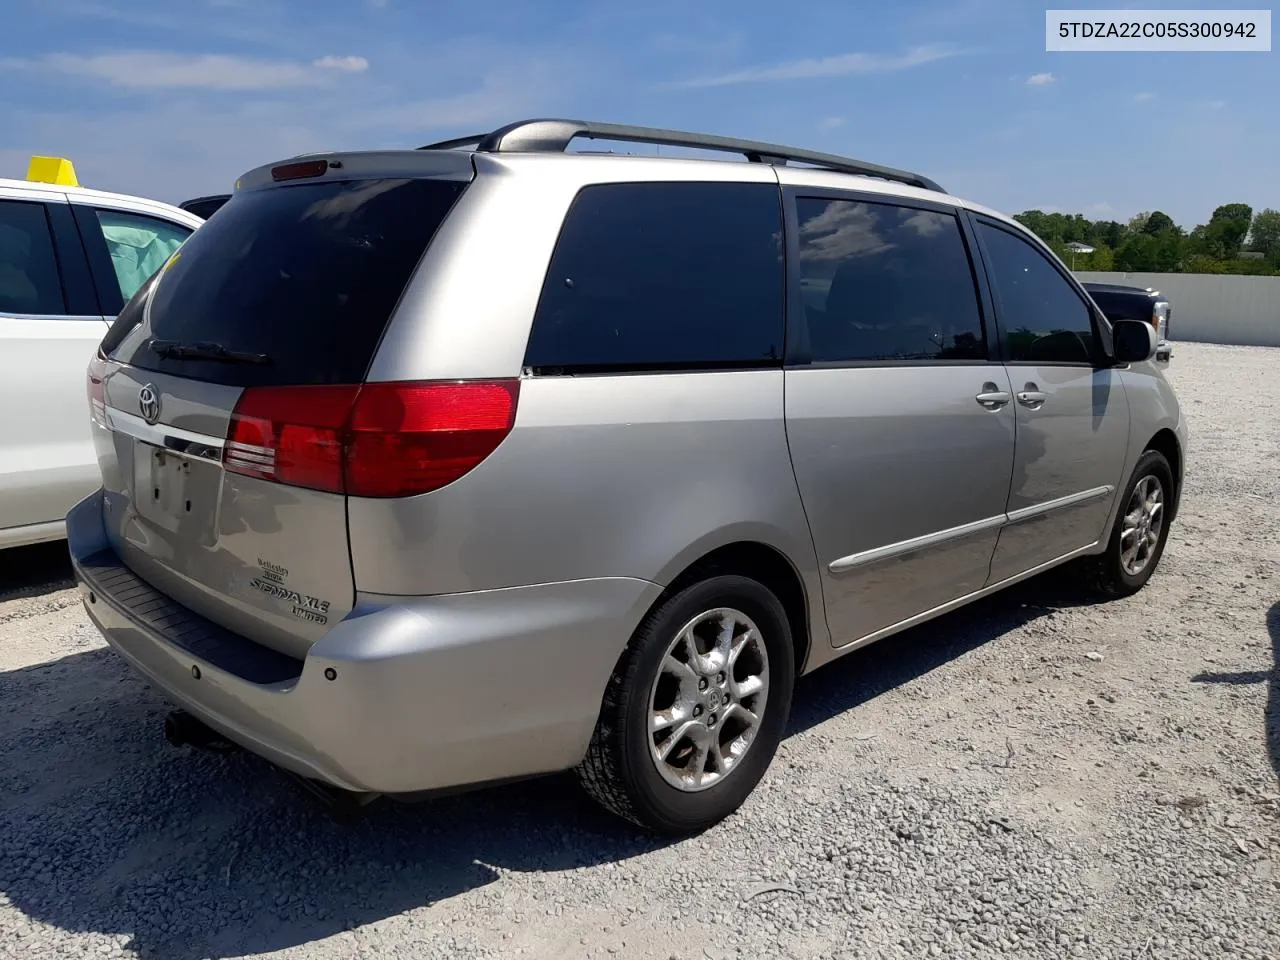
{"type": "Point", "coordinates": [1165, 442]}
{"type": "Point", "coordinates": [767, 565]}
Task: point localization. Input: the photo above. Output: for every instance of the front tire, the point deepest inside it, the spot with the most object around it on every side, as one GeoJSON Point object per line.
{"type": "Point", "coordinates": [695, 708]}
{"type": "Point", "coordinates": [1140, 530]}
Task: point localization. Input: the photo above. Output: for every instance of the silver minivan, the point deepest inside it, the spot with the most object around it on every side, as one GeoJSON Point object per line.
{"type": "Point", "coordinates": [450, 466]}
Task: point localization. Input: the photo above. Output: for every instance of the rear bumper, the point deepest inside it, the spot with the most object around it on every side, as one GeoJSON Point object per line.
{"type": "Point", "coordinates": [403, 695]}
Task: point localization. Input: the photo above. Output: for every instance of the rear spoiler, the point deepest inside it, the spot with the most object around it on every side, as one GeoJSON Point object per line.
{"type": "Point", "coordinates": [205, 207]}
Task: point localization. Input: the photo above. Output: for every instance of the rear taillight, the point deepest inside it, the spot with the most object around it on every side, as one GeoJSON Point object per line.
{"type": "Point", "coordinates": [292, 435]}
{"type": "Point", "coordinates": [97, 390]}
{"type": "Point", "coordinates": [411, 438]}
{"type": "Point", "coordinates": [376, 440]}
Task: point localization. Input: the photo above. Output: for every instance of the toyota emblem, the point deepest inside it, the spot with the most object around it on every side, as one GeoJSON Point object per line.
{"type": "Point", "coordinates": [149, 403]}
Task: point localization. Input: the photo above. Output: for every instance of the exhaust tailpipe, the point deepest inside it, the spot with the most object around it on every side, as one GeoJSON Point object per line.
{"type": "Point", "coordinates": [181, 729]}
{"type": "Point", "coordinates": [343, 806]}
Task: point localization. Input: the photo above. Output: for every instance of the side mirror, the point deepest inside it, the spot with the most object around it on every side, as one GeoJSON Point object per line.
{"type": "Point", "coordinates": [1135, 341]}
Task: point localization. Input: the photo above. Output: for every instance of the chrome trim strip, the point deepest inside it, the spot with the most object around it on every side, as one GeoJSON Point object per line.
{"type": "Point", "coordinates": [1074, 500]}
{"type": "Point", "coordinates": [251, 450]}
{"type": "Point", "coordinates": [903, 547]}
{"type": "Point", "coordinates": [184, 443]}
{"type": "Point", "coordinates": [892, 550]}
{"type": "Point", "coordinates": [5, 315]}
{"type": "Point", "coordinates": [961, 601]}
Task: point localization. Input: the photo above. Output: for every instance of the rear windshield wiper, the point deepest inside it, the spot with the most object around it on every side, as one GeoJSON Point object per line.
{"type": "Point", "coordinates": [204, 350]}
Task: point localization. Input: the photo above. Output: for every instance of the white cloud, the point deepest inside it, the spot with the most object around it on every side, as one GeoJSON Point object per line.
{"type": "Point", "coordinates": [839, 65]}
{"type": "Point", "coordinates": [497, 99]}
{"type": "Point", "coordinates": [710, 46]}
{"type": "Point", "coordinates": [830, 123]}
{"type": "Point", "coordinates": [345, 64]}
{"type": "Point", "coordinates": [186, 19]}
{"type": "Point", "coordinates": [1041, 79]}
{"type": "Point", "coordinates": [1144, 97]}
{"type": "Point", "coordinates": [189, 143]}
{"type": "Point", "coordinates": [160, 70]}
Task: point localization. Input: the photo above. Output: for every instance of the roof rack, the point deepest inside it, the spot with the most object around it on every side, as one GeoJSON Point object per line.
{"type": "Point", "coordinates": [554, 136]}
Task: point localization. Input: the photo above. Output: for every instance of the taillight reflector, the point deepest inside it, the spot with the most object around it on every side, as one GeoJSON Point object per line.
{"type": "Point", "coordinates": [376, 440]}
{"type": "Point", "coordinates": [96, 388]}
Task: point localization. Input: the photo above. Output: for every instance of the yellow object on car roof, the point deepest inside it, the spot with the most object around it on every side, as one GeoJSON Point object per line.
{"type": "Point", "coordinates": [57, 170]}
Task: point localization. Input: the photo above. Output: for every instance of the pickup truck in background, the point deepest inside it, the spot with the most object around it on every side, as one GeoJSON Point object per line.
{"type": "Point", "coordinates": [1120, 302]}
{"type": "Point", "coordinates": [205, 207]}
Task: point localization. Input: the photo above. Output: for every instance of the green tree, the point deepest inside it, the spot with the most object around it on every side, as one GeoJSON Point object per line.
{"type": "Point", "coordinates": [1158, 223]}
{"type": "Point", "coordinates": [1264, 235]}
{"type": "Point", "coordinates": [1198, 263]}
{"type": "Point", "coordinates": [1201, 243]}
{"type": "Point", "coordinates": [1103, 258]}
{"type": "Point", "coordinates": [1145, 253]}
{"type": "Point", "coordinates": [1136, 254]}
{"type": "Point", "coordinates": [1076, 228]}
{"type": "Point", "coordinates": [1106, 232]}
{"type": "Point", "coordinates": [1153, 242]}
{"type": "Point", "coordinates": [1039, 223]}
{"type": "Point", "coordinates": [1229, 225]}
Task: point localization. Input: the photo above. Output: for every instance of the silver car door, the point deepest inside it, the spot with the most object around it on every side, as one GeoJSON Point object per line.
{"type": "Point", "coordinates": [900, 420]}
{"type": "Point", "coordinates": [1072, 413]}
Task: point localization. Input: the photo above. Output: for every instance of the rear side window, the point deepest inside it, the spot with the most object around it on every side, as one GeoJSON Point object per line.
{"type": "Point", "coordinates": [663, 276]}
{"type": "Point", "coordinates": [1044, 319]}
{"type": "Point", "coordinates": [307, 275]}
{"type": "Point", "coordinates": [139, 245]}
{"type": "Point", "coordinates": [883, 282]}
{"type": "Point", "coordinates": [29, 281]}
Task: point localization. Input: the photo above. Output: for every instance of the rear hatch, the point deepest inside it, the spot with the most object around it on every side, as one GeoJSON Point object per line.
{"type": "Point", "coordinates": [229, 378]}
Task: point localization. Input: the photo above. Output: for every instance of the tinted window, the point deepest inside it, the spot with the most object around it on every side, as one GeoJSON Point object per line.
{"type": "Point", "coordinates": [29, 281]}
{"type": "Point", "coordinates": [1044, 319]}
{"type": "Point", "coordinates": [139, 246]}
{"type": "Point", "coordinates": [306, 274]}
{"type": "Point", "coordinates": [664, 276]}
{"type": "Point", "coordinates": [885, 282]}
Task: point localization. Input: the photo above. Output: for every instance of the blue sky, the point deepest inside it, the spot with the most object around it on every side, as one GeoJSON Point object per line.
{"type": "Point", "coordinates": [175, 99]}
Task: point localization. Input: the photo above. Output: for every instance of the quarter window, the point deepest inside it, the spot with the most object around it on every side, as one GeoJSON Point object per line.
{"type": "Point", "coordinates": [662, 276]}
{"type": "Point", "coordinates": [29, 282]}
{"type": "Point", "coordinates": [883, 282]}
{"type": "Point", "coordinates": [1044, 319]}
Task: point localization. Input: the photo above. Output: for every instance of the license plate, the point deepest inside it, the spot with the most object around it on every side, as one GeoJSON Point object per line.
{"type": "Point", "coordinates": [160, 485]}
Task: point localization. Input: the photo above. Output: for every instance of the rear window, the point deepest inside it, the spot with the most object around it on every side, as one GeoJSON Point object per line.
{"type": "Point", "coordinates": [663, 276]}
{"type": "Point", "coordinates": [307, 275]}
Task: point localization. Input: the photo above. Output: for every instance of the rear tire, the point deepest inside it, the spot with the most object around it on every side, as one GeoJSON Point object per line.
{"type": "Point", "coordinates": [675, 749]}
{"type": "Point", "coordinates": [1140, 530]}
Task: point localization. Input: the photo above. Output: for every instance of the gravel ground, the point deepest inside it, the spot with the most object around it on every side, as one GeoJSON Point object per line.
{"type": "Point", "coordinates": [1033, 776]}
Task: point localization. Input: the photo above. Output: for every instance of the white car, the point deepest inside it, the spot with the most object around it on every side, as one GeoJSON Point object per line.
{"type": "Point", "coordinates": [69, 259]}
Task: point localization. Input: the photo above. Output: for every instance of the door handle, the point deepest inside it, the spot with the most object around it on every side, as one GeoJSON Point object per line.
{"type": "Point", "coordinates": [1032, 396]}
{"type": "Point", "coordinates": [992, 397]}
